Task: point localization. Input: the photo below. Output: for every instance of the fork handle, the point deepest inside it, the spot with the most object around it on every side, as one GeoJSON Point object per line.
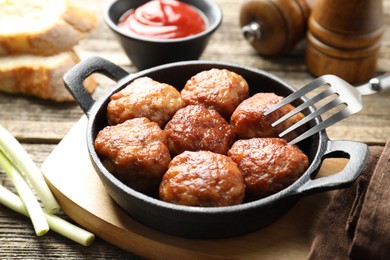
{"type": "Point", "coordinates": [358, 156]}
{"type": "Point", "coordinates": [381, 82]}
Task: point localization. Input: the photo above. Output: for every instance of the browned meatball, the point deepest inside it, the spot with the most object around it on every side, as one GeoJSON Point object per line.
{"type": "Point", "coordinates": [144, 97]}
{"type": "Point", "coordinates": [195, 128]}
{"type": "Point", "coordinates": [202, 179]}
{"type": "Point", "coordinates": [268, 164]}
{"type": "Point", "coordinates": [218, 89]}
{"type": "Point", "coordinates": [135, 152]}
{"type": "Point", "coordinates": [249, 120]}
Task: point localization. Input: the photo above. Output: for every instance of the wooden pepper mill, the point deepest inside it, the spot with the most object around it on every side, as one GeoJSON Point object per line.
{"type": "Point", "coordinates": [344, 38]}
{"type": "Point", "coordinates": [274, 27]}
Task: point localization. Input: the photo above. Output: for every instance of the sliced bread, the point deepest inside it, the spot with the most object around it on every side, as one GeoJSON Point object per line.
{"type": "Point", "coordinates": [42, 27]}
{"type": "Point", "coordinates": [39, 76]}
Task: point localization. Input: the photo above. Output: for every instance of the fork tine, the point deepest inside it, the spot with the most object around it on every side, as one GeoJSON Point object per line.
{"type": "Point", "coordinates": [350, 97]}
{"type": "Point", "coordinates": [316, 113]}
{"type": "Point", "coordinates": [327, 92]}
{"type": "Point", "coordinates": [324, 124]}
{"type": "Point", "coordinates": [299, 93]}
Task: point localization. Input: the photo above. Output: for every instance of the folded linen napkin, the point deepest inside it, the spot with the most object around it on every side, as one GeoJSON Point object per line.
{"type": "Point", "coordinates": [356, 223]}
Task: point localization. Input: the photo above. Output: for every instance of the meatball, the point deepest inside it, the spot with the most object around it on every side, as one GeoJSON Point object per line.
{"type": "Point", "coordinates": [249, 120]}
{"type": "Point", "coordinates": [218, 89]}
{"type": "Point", "coordinates": [195, 128]}
{"type": "Point", "coordinates": [135, 152]}
{"type": "Point", "coordinates": [268, 164]}
{"type": "Point", "coordinates": [203, 179]}
{"type": "Point", "coordinates": [144, 97]}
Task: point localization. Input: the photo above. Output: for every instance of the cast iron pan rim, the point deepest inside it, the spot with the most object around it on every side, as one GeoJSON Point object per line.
{"type": "Point", "coordinates": [209, 29]}
{"type": "Point", "coordinates": [190, 209]}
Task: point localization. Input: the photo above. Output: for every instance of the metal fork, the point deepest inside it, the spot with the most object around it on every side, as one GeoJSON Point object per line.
{"type": "Point", "coordinates": [346, 95]}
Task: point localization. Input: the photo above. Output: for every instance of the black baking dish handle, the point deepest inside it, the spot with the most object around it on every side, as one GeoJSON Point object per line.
{"type": "Point", "coordinates": [74, 78]}
{"type": "Point", "coordinates": [356, 152]}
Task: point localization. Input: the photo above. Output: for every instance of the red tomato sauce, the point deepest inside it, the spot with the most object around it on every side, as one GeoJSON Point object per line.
{"type": "Point", "coordinates": [163, 19]}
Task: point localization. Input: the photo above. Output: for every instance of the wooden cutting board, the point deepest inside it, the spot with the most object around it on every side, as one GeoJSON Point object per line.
{"type": "Point", "coordinates": [83, 198]}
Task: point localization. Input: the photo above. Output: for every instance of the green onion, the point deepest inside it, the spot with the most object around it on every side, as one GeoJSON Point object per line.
{"type": "Point", "coordinates": [15, 152]}
{"type": "Point", "coordinates": [56, 223]}
{"type": "Point", "coordinates": [33, 207]}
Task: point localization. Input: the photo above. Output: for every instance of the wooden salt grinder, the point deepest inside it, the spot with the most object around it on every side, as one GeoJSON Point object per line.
{"type": "Point", "coordinates": [273, 27]}
{"type": "Point", "coordinates": [344, 38]}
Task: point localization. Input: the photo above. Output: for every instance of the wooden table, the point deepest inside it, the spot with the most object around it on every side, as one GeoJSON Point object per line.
{"type": "Point", "coordinates": [41, 125]}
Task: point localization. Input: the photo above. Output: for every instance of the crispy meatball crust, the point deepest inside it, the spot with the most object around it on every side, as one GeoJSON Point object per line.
{"type": "Point", "coordinates": [195, 128]}
{"type": "Point", "coordinates": [135, 152]}
{"type": "Point", "coordinates": [249, 120]}
{"type": "Point", "coordinates": [203, 179]}
{"type": "Point", "coordinates": [218, 89]}
{"type": "Point", "coordinates": [268, 164]}
{"type": "Point", "coordinates": [144, 97]}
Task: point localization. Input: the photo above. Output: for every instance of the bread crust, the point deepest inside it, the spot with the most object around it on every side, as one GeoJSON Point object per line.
{"type": "Point", "coordinates": [42, 80]}
{"type": "Point", "coordinates": [71, 26]}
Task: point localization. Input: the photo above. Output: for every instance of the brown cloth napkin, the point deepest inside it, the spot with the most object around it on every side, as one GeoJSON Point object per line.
{"type": "Point", "coordinates": [356, 224]}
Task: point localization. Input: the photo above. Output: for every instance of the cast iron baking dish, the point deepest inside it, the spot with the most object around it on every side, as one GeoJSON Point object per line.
{"type": "Point", "coordinates": [213, 222]}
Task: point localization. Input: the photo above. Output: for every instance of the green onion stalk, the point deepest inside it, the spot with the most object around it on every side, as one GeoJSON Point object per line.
{"type": "Point", "coordinates": [23, 172]}
{"type": "Point", "coordinates": [31, 203]}
{"type": "Point", "coordinates": [57, 224]}
{"type": "Point", "coordinates": [15, 152]}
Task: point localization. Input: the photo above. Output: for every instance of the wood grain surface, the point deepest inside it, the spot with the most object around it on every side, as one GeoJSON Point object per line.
{"type": "Point", "coordinates": [41, 125]}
